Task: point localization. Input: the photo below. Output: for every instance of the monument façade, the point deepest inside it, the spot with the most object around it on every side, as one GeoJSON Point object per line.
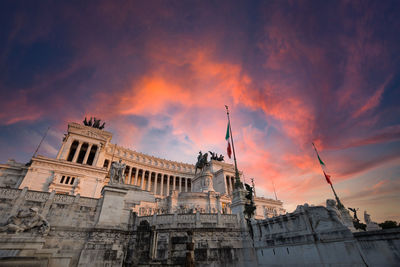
{"type": "Point", "coordinates": [99, 204]}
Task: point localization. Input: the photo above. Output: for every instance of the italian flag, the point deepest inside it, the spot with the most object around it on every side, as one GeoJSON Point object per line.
{"type": "Point", "coordinates": [323, 166]}
{"type": "Point", "coordinates": [227, 136]}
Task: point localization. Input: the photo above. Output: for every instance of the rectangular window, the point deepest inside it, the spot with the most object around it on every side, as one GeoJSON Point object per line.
{"type": "Point", "coordinates": [67, 181]}
{"type": "Point", "coordinates": [62, 179]}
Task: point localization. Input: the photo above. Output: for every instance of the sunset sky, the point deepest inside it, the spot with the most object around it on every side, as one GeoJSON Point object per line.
{"type": "Point", "coordinates": [160, 72]}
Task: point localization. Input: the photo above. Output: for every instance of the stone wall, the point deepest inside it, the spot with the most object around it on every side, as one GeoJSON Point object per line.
{"type": "Point", "coordinates": [315, 236]}
{"type": "Point", "coordinates": [73, 240]}
{"type": "Point", "coordinates": [197, 220]}
{"type": "Point", "coordinates": [58, 209]}
{"type": "Point", "coordinates": [380, 248]}
{"type": "Point", "coordinates": [105, 232]}
{"type": "Point", "coordinates": [164, 240]}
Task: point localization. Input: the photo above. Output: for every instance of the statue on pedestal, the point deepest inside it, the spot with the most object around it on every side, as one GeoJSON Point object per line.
{"type": "Point", "coordinates": [117, 172]}
{"type": "Point", "coordinates": [371, 226]}
{"type": "Point", "coordinates": [202, 161]}
{"type": "Point", "coordinates": [356, 222]}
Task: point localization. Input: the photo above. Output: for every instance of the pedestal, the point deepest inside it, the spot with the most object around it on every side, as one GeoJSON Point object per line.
{"type": "Point", "coordinates": [347, 219]}
{"type": "Point", "coordinates": [203, 181]}
{"type": "Point", "coordinates": [238, 205]}
{"type": "Point", "coordinates": [238, 201]}
{"type": "Point", "coordinates": [373, 226]}
{"type": "Point", "coordinates": [113, 214]}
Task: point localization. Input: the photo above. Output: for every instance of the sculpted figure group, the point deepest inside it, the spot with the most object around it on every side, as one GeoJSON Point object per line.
{"type": "Point", "coordinates": [214, 156]}
{"type": "Point", "coordinates": [24, 221]}
{"type": "Point", "coordinates": [95, 123]}
{"type": "Point", "coordinates": [117, 172]}
{"type": "Point", "coordinates": [202, 159]}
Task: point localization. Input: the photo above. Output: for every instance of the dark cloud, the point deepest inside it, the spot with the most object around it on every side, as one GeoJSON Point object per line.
{"type": "Point", "coordinates": [159, 73]}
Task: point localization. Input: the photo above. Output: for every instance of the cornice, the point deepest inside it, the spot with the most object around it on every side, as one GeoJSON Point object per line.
{"type": "Point", "coordinates": [89, 131]}
{"type": "Point", "coordinates": [268, 200]}
{"type": "Point", "coordinates": [135, 154]}
{"type": "Point", "coordinates": [41, 160]}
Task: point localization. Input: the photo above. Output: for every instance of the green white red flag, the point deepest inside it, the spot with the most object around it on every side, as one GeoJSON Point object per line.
{"type": "Point", "coordinates": [227, 136]}
{"type": "Point", "coordinates": [323, 166]}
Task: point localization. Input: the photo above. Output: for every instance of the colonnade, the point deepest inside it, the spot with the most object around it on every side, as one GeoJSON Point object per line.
{"type": "Point", "coordinates": [158, 183]}
{"type": "Point", "coordinates": [83, 152]}
{"type": "Point", "coordinates": [230, 184]}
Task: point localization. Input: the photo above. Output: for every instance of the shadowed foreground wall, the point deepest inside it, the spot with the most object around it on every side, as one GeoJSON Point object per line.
{"type": "Point", "coordinates": [82, 234]}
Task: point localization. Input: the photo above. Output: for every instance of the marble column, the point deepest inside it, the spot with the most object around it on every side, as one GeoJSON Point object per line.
{"type": "Point", "coordinates": [186, 179]}
{"type": "Point", "coordinates": [129, 180]}
{"type": "Point", "coordinates": [65, 149]}
{"type": "Point", "coordinates": [142, 179]}
{"type": "Point", "coordinates": [136, 176]}
{"type": "Point", "coordinates": [228, 186]}
{"type": "Point", "coordinates": [174, 181]}
{"type": "Point", "coordinates": [87, 153]}
{"type": "Point", "coordinates": [61, 150]}
{"type": "Point", "coordinates": [78, 149]}
{"type": "Point", "coordinates": [96, 157]}
{"type": "Point", "coordinates": [149, 182]}
{"type": "Point", "coordinates": [162, 185]}
{"type": "Point", "coordinates": [155, 184]}
{"type": "Point", "coordinates": [180, 184]}
{"type": "Point", "coordinates": [168, 181]}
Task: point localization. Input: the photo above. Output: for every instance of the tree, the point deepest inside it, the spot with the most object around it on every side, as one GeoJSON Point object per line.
{"type": "Point", "coordinates": [389, 224]}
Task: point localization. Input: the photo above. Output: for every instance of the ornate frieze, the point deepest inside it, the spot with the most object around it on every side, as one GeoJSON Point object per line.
{"type": "Point", "coordinates": [37, 196]}
{"type": "Point", "coordinates": [67, 167]}
{"type": "Point", "coordinates": [9, 193]}
{"type": "Point", "coordinates": [88, 131]}
{"type": "Point", "coordinates": [63, 199]}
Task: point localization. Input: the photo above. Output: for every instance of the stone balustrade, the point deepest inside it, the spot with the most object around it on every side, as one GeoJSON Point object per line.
{"type": "Point", "coordinates": [196, 220]}
{"type": "Point", "coordinates": [142, 158]}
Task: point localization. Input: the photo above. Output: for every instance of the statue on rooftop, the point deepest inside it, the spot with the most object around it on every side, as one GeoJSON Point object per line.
{"type": "Point", "coordinates": [356, 222]}
{"type": "Point", "coordinates": [95, 123]}
{"type": "Point", "coordinates": [371, 225]}
{"type": "Point", "coordinates": [214, 156]}
{"type": "Point", "coordinates": [354, 210]}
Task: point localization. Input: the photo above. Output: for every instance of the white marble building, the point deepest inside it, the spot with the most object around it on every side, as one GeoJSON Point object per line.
{"type": "Point", "coordinates": [82, 167]}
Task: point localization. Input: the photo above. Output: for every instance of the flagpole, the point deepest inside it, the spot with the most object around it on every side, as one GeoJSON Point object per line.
{"type": "Point", "coordinates": [339, 203]}
{"type": "Point", "coordinates": [238, 183]}
{"type": "Point", "coordinates": [273, 185]}
{"type": "Point", "coordinates": [37, 149]}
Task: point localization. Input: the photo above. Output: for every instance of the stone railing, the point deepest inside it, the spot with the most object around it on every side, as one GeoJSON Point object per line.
{"type": "Point", "coordinates": [58, 209]}
{"type": "Point", "coordinates": [9, 193]}
{"type": "Point", "coordinates": [128, 154]}
{"type": "Point", "coordinates": [197, 220]}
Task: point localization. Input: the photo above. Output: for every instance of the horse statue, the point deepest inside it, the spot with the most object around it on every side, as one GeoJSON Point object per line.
{"type": "Point", "coordinates": [202, 161]}
{"type": "Point", "coordinates": [95, 123]}
{"type": "Point", "coordinates": [214, 156]}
